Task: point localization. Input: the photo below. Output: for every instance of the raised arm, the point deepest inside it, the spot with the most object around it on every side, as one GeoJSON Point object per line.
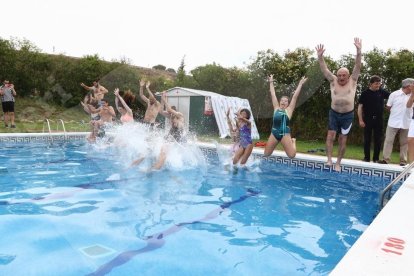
{"type": "Point", "coordinates": [320, 49]}
{"type": "Point", "coordinates": [295, 96]}
{"type": "Point", "coordinates": [358, 58]}
{"type": "Point", "coordinates": [89, 88]}
{"type": "Point", "coordinates": [163, 106]}
{"type": "Point", "coordinates": [273, 92]}
{"type": "Point", "coordinates": [150, 94]}
{"type": "Point", "coordinates": [118, 98]}
{"type": "Point", "coordinates": [229, 123]}
{"type": "Point", "coordinates": [141, 91]}
{"type": "Point", "coordinates": [90, 109]}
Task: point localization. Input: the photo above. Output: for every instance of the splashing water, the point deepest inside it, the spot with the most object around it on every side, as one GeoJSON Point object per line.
{"type": "Point", "coordinates": [134, 141]}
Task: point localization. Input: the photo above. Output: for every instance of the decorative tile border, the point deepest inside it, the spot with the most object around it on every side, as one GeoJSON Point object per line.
{"type": "Point", "coordinates": [316, 163]}
{"type": "Point", "coordinates": [42, 137]}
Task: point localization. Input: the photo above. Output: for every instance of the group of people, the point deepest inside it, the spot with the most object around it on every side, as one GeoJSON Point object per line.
{"type": "Point", "coordinates": [343, 86]}
{"type": "Point", "coordinates": [102, 116]}
{"type": "Point", "coordinates": [370, 117]}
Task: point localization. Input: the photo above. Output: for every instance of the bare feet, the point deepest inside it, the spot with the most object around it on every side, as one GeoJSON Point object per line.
{"type": "Point", "coordinates": [329, 163]}
{"type": "Point", "coordinates": [338, 167]}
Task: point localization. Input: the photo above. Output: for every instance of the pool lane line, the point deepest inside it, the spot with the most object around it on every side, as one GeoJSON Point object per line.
{"type": "Point", "coordinates": [81, 187]}
{"type": "Point", "coordinates": [44, 164]}
{"type": "Point", "coordinates": [157, 240]}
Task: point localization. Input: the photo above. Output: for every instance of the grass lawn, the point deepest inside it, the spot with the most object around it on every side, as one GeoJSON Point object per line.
{"type": "Point", "coordinates": [31, 112]}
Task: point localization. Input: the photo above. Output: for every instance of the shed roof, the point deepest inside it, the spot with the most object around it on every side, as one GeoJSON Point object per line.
{"type": "Point", "coordinates": [196, 92]}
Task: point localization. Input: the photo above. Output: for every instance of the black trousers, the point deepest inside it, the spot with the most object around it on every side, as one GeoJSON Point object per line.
{"type": "Point", "coordinates": [373, 125]}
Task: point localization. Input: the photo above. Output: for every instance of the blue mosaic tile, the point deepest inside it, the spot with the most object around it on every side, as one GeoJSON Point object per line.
{"type": "Point", "coordinates": [317, 165]}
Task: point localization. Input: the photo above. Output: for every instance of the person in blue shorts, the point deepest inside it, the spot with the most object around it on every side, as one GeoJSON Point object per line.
{"type": "Point", "coordinates": [283, 111]}
{"type": "Point", "coordinates": [343, 89]}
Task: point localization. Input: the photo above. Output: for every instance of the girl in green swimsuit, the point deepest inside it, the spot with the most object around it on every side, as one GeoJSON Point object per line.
{"type": "Point", "coordinates": [280, 128]}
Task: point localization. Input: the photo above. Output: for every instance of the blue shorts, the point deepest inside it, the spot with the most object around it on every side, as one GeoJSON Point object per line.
{"type": "Point", "coordinates": [340, 122]}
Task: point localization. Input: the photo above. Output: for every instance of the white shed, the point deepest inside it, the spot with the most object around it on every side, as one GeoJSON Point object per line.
{"type": "Point", "coordinates": [205, 111]}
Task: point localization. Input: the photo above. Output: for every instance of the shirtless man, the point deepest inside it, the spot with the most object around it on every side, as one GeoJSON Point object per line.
{"type": "Point", "coordinates": [97, 90]}
{"type": "Point", "coordinates": [153, 106]}
{"type": "Point", "coordinates": [343, 89]}
{"type": "Point", "coordinates": [106, 114]}
{"type": "Point", "coordinates": [176, 132]}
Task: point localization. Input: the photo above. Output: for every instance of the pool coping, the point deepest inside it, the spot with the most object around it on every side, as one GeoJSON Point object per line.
{"type": "Point", "coordinates": [382, 249]}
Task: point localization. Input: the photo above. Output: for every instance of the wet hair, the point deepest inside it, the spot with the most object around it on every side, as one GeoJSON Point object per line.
{"type": "Point", "coordinates": [247, 112]}
{"type": "Point", "coordinates": [407, 82]}
{"type": "Point", "coordinates": [374, 79]}
{"type": "Point", "coordinates": [174, 108]}
{"type": "Point", "coordinates": [128, 97]}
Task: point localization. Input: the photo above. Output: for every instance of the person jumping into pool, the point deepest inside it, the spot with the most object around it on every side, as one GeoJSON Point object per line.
{"type": "Point", "coordinates": [283, 111]}
{"type": "Point", "coordinates": [175, 134]}
{"type": "Point", "coordinates": [126, 112]}
{"type": "Point", "coordinates": [96, 91]}
{"type": "Point", "coordinates": [153, 106]}
{"type": "Point", "coordinates": [341, 114]}
{"type": "Point", "coordinates": [246, 143]}
{"type": "Point", "coordinates": [106, 115]}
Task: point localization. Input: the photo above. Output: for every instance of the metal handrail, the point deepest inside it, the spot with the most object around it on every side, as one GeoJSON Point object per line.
{"type": "Point", "coordinates": [387, 190]}
{"type": "Point", "coordinates": [63, 126]}
{"type": "Point", "coordinates": [48, 126]}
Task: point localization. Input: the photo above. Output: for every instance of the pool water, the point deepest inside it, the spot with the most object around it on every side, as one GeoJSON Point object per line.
{"type": "Point", "coordinates": [75, 209]}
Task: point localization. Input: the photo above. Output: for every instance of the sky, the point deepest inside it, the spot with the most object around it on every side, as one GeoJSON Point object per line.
{"type": "Point", "coordinates": [227, 32]}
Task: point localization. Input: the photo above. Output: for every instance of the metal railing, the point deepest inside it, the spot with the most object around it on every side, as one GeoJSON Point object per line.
{"type": "Point", "coordinates": [387, 190]}
{"type": "Point", "coordinates": [46, 121]}
{"type": "Point", "coordinates": [63, 127]}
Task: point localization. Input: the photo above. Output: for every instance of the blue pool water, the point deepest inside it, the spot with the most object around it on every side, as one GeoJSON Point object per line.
{"type": "Point", "coordinates": [74, 209]}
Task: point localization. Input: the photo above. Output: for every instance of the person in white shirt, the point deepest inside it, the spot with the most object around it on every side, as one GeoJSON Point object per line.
{"type": "Point", "coordinates": [398, 122]}
{"type": "Point", "coordinates": [410, 139]}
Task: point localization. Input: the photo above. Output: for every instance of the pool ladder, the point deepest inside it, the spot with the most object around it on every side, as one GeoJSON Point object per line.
{"type": "Point", "coordinates": [46, 123]}
{"type": "Point", "coordinates": [386, 193]}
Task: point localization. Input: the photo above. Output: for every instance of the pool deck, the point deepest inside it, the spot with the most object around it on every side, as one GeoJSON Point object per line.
{"type": "Point", "coordinates": [385, 247]}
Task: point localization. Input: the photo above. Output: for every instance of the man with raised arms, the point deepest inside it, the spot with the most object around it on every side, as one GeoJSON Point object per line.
{"type": "Point", "coordinates": [153, 106]}
{"type": "Point", "coordinates": [343, 89]}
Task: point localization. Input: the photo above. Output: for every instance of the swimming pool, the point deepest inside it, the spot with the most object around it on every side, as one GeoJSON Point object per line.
{"type": "Point", "coordinates": [71, 209]}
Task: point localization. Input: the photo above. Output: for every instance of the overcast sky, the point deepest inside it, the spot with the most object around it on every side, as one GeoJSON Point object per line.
{"type": "Point", "coordinates": [228, 32]}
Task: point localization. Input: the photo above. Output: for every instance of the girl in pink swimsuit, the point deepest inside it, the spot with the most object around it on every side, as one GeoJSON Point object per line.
{"type": "Point", "coordinates": [126, 112]}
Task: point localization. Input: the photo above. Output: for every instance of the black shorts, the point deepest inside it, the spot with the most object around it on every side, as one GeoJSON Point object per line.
{"type": "Point", "coordinates": [340, 122]}
{"type": "Point", "coordinates": [7, 106]}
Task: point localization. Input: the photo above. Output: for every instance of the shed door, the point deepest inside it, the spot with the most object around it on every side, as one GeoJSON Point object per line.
{"type": "Point", "coordinates": [183, 106]}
